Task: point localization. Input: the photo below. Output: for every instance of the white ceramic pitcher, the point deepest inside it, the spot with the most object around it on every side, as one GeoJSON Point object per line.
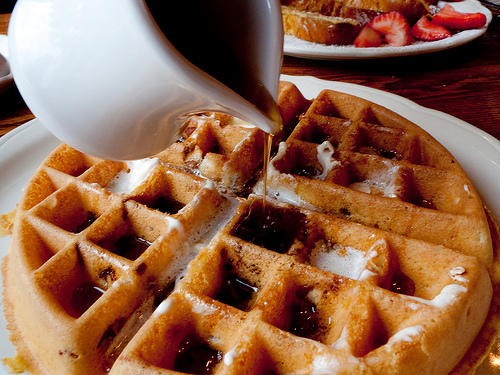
{"type": "Point", "coordinates": [114, 78]}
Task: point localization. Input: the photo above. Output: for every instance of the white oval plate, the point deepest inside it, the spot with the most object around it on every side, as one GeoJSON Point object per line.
{"type": "Point", "coordinates": [23, 149]}
{"type": "Point", "coordinates": [300, 48]}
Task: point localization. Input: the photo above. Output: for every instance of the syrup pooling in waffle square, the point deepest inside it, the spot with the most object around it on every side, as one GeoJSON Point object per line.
{"type": "Point", "coordinates": [357, 160]}
{"type": "Point", "coordinates": [298, 290]}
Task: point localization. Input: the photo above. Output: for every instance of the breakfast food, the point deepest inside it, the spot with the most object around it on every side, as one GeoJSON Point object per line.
{"type": "Point", "coordinates": [338, 22]}
{"type": "Point", "coordinates": [356, 262]}
{"type": "Point", "coordinates": [374, 23]}
{"type": "Point", "coordinates": [318, 28]}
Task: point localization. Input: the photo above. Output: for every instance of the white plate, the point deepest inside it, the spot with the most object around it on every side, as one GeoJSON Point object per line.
{"type": "Point", "coordinates": [6, 80]}
{"type": "Point", "coordinates": [301, 48]}
{"type": "Point", "coordinates": [22, 150]}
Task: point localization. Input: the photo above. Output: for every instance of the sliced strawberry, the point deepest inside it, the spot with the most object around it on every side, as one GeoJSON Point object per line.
{"type": "Point", "coordinates": [368, 37]}
{"type": "Point", "coordinates": [394, 28]}
{"type": "Point", "coordinates": [451, 19]}
{"type": "Point", "coordinates": [425, 30]}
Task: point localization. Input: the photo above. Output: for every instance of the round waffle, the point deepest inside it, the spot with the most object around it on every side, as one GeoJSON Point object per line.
{"type": "Point", "coordinates": [372, 253]}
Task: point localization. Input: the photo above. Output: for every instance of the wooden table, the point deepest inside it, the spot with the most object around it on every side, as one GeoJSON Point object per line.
{"type": "Point", "coordinates": [463, 82]}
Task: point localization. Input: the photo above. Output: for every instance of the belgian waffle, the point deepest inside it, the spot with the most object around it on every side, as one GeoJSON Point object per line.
{"type": "Point", "coordinates": [171, 265]}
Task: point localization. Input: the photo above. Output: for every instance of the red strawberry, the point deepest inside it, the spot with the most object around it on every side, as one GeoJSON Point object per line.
{"type": "Point", "coordinates": [394, 28]}
{"type": "Point", "coordinates": [425, 30]}
{"type": "Point", "coordinates": [368, 37]}
{"type": "Point", "coordinates": [451, 19]}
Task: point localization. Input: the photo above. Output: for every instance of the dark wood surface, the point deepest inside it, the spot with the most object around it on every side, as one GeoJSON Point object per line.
{"type": "Point", "coordinates": [463, 82]}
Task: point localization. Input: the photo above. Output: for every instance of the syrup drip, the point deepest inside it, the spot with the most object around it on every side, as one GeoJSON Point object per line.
{"type": "Point", "coordinates": [130, 247]}
{"type": "Point", "coordinates": [196, 357]}
{"type": "Point", "coordinates": [305, 320]}
{"type": "Point", "coordinates": [237, 292]}
{"type": "Point", "coordinates": [267, 158]}
{"type": "Point", "coordinates": [84, 296]}
{"type": "Point", "coordinates": [402, 284]}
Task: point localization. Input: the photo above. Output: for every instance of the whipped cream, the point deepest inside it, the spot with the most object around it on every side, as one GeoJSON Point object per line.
{"type": "Point", "coordinates": [126, 182]}
{"type": "Point", "coordinates": [279, 155]}
{"type": "Point", "coordinates": [323, 365]}
{"type": "Point", "coordinates": [448, 294]}
{"type": "Point", "coordinates": [383, 181]}
{"type": "Point", "coordinates": [164, 307]}
{"type": "Point", "coordinates": [175, 224]}
{"type": "Point", "coordinates": [406, 334]}
{"type": "Point", "coordinates": [341, 260]}
{"type": "Point", "coordinates": [456, 274]}
{"type": "Point", "coordinates": [230, 356]}
{"type": "Point", "coordinates": [326, 159]}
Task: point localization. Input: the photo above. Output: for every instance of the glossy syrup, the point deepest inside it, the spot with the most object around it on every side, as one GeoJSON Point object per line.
{"type": "Point", "coordinates": [268, 141]}
{"type": "Point", "coordinates": [305, 319]}
{"type": "Point", "coordinates": [195, 356]}
{"type": "Point", "coordinates": [86, 221]}
{"type": "Point", "coordinates": [275, 229]}
{"type": "Point", "coordinates": [237, 292]}
{"type": "Point", "coordinates": [402, 284]}
{"type": "Point", "coordinates": [130, 246]}
{"type": "Point", "coordinates": [84, 296]}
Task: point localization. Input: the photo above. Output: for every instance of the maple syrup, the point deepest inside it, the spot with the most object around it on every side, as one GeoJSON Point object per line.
{"type": "Point", "coordinates": [268, 142]}
{"type": "Point", "coordinates": [306, 171]}
{"type": "Point", "coordinates": [86, 222]}
{"type": "Point", "coordinates": [195, 356]}
{"type": "Point", "coordinates": [422, 202]}
{"type": "Point", "coordinates": [318, 135]}
{"type": "Point", "coordinates": [305, 320]}
{"type": "Point", "coordinates": [402, 284]}
{"type": "Point", "coordinates": [237, 292]}
{"type": "Point", "coordinates": [129, 246]}
{"type": "Point", "coordinates": [275, 229]}
{"type": "Point", "coordinates": [84, 296]}
{"type": "Point", "coordinates": [167, 205]}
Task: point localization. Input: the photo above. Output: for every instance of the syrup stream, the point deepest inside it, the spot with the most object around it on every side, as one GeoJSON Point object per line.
{"type": "Point", "coordinates": [267, 158]}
